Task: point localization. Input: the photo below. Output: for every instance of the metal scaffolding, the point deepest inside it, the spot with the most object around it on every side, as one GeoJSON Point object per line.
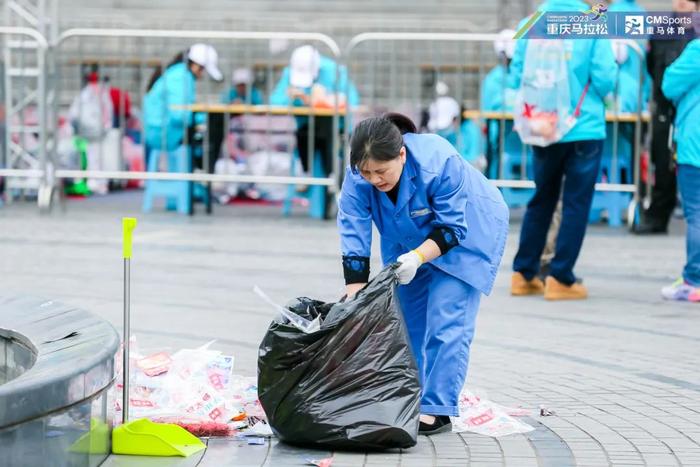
{"type": "Point", "coordinates": [29, 91]}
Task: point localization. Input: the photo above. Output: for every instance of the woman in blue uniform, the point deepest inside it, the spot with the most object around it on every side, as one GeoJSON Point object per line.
{"type": "Point", "coordinates": [447, 226]}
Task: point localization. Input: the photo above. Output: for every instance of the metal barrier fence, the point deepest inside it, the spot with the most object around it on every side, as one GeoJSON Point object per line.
{"type": "Point", "coordinates": [391, 74]}
{"type": "Point", "coordinates": [460, 61]}
{"type": "Point", "coordinates": [128, 56]}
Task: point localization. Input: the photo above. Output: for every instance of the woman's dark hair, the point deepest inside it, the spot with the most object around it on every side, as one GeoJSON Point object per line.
{"type": "Point", "coordinates": [379, 138]}
{"type": "Point", "coordinates": [158, 72]}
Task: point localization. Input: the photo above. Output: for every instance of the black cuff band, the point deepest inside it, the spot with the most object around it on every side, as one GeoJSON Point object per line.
{"type": "Point", "coordinates": [356, 269]}
{"type": "Point", "coordinates": [445, 238]}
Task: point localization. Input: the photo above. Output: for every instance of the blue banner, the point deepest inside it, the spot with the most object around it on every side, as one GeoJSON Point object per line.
{"type": "Point", "coordinates": [599, 23]}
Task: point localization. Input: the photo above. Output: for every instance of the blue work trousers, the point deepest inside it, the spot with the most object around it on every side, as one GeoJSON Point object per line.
{"type": "Point", "coordinates": [440, 313]}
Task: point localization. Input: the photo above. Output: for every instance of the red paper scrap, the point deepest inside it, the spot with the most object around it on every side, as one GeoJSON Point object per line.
{"type": "Point", "coordinates": [155, 364]}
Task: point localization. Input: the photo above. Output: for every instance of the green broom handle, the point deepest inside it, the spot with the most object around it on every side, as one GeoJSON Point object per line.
{"type": "Point", "coordinates": [128, 225]}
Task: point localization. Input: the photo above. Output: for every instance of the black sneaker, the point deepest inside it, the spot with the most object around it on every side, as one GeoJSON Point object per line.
{"type": "Point", "coordinates": [649, 229]}
{"type": "Point", "coordinates": [442, 424]}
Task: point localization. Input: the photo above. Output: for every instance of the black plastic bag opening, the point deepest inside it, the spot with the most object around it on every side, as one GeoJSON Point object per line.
{"type": "Point", "coordinates": [351, 385]}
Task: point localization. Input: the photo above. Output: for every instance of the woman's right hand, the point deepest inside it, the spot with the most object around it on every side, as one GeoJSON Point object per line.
{"type": "Point", "coordinates": [352, 289]}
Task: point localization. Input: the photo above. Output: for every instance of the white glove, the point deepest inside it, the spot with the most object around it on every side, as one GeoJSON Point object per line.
{"type": "Point", "coordinates": [410, 262]}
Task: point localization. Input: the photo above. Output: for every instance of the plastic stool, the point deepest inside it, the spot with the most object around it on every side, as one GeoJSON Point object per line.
{"type": "Point", "coordinates": [177, 194]}
{"type": "Point", "coordinates": [316, 194]}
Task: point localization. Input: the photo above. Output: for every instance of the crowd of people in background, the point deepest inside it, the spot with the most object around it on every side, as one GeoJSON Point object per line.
{"type": "Point", "coordinates": [602, 76]}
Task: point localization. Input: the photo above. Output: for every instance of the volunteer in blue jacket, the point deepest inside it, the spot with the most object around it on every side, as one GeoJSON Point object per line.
{"type": "Point", "coordinates": [242, 83]}
{"type": "Point", "coordinates": [165, 126]}
{"type": "Point", "coordinates": [496, 96]}
{"type": "Point", "coordinates": [308, 76]}
{"type": "Point", "coordinates": [591, 71]}
{"type": "Point", "coordinates": [445, 115]}
{"type": "Point", "coordinates": [447, 226]}
{"type": "Point", "coordinates": [681, 85]}
{"type": "Point", "coordinates": [631, 65]}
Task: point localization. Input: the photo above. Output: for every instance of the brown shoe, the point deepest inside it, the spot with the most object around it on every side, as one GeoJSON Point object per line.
{"type": "Point", "coordinates": [555, 290]}
{"type": "Point", "coordinates": [519, 286]}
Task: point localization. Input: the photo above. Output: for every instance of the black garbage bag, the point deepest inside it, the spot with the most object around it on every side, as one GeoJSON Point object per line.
{"type": "Point", "coordinates": [351, 385]}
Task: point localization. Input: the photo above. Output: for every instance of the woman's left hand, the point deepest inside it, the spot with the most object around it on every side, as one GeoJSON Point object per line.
{"type": "Point", "coordinates": [410, 262]}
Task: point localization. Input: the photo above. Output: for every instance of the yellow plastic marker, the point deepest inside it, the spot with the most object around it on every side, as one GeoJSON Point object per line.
{"type": "Point", "coordinates": [128, 226]}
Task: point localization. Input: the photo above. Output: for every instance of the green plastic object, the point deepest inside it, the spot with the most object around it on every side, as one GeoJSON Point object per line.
{"type": "Point", "coordinates": [95, 441]}
{"type": "Point", "coordinates": [79, 187]}
{"type": "Point", "coordinates": [128, 226]}
{"type": "Point", "coordinates": [144, 438]}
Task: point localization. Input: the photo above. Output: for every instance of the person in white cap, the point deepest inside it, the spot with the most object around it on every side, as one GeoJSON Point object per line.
{"type": "Point", "coordinates": [165, 126]}
{"type": "Point", "coordinates": [241, 81]}
{"type": "Point", "coordinates": [309, 69]}
{"type": "Point", "coordinates": [443, 112]}
{"type": "Point", "coordinates": [444, 119]}
{"type": "Point", "coordinates": [496, 96]}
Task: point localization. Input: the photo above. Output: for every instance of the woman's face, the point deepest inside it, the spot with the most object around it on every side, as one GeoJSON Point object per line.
{"type": "Point", "coordinates": [384, 175]}
{"type": "Point", "coordinates": [197, 70]}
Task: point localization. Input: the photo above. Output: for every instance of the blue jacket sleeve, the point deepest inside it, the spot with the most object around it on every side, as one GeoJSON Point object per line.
{"type": "Point", "coordinates": [489, 96]}
{"type": "Point", "coordinates": [683, 74]}
{"type": "Point", "coordinates": [355, 227]}
{"type": "Point", "coordinates": [603, 67]}
{"type": "Point", "coordinates": [449, 197]}
{"type": "Point", "coordinates": [228, 96]}
{"type": "Point", "coordinates": [353, 96]}
{"type": "Point", "coordinates": [280, 95]}
{"type": "Point", "coordinates": [354, 220]}
{"type": "Point", "coordinates": [256, 97]}
{"type": "Point", "coordinates": [179, 91]}
{"type": "Point", "coordinates": [517, 64]}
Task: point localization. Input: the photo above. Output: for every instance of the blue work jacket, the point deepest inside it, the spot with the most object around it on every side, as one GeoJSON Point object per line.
{"type": "Point", "coordinates": [437, 188]}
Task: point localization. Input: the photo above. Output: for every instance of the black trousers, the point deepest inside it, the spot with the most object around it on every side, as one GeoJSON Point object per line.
{"type": "Point", "coordinates": [323, 143]}
{"type": "Point", "coordinates": [663, 195]}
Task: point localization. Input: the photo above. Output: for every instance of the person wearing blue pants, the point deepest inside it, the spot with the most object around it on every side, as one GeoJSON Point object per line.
{"type": "Point", "coordinates": [681, 85]}
{"type": "Point", "coordinates": [445, 224]}
{"type": "Point", "coordinates": [572, 162]}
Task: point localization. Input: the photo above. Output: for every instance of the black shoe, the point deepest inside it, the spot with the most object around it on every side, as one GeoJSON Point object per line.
{"type": "Point", "coordinates": [442, 424]}
{"type": "Point", "coordinates": [649, 229]}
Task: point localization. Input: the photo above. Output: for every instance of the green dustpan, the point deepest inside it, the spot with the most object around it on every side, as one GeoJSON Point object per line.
{"type": "Point", "coordinates": [143, 437]}
{"type": "Point", "coordinates": [95, 441]}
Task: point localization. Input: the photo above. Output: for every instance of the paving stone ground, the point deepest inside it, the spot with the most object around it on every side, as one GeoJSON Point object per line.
{"type": "Point", "coordinates": [620, 369]}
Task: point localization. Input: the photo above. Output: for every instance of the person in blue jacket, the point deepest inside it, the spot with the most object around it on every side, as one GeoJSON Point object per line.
{"type": "Point", "coordinates": [592, 72]}
{"type": "Point", "coordinates": [496, 96]}
{"type": "Point", "coordinates": [627, 87]}
{"type": "Point", "coordinates": [164, 125]}
{"type": "Point", "coordinates": [310, 76]}
{"type": "Point", "coordinates": [630, 68]}
{"type": "Point", "coordinates": [444, 120]}
{"type": "Point", "coordinates": [241, 84]}
{"type": "Point", "coordinates": [446, 225]}
{"type": "Point", "coordinates": [681, 85]}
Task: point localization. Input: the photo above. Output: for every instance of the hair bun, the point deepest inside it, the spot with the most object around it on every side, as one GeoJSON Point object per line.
{"type": "Point", "coordinates": [402, 122]}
